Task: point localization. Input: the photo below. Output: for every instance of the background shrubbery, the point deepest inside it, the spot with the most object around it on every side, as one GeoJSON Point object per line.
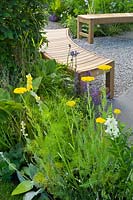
{"type": "Point", "coordinates": [20, 37]}
{"type": "Point", "coordinates": [72, 8]}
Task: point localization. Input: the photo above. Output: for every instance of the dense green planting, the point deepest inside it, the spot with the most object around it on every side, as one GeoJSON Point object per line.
{"type": "Point", "coordinates": [73, 8]}
{"type": "Point", "coordinates": [54, 143]}
{"type": "Point", "coordinates": [5, 191]}
{"type": "Point", "coordinates": [20, 37]}
{"type": "Point", "coordinates": [71, 149]}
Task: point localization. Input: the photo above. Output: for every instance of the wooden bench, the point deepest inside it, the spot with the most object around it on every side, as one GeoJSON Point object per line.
{"type": "Point", "coordinates": [86, 61]}
{"type": "Point", "coordinates": [92, 19]}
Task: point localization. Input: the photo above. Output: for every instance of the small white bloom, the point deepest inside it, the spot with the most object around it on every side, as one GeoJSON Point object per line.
{"type": "Point", "coordinates": [23, 126]}
{"type": "Point", "coordinates": [112, 128]}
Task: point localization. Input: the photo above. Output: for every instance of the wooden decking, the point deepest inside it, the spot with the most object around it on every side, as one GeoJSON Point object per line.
{"type": "Point", "coordinates": [59, 48]}
{"type": "Point", "coordinates": [92, 19]}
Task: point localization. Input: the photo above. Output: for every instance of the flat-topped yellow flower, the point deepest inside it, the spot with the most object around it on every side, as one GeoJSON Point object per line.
{"type": "Point", "coordinates": [117, 111]}
{"type": "Point", "coordinates": [29, 82]}
{"type": "Point", "coordinates": [20, 90]}
{"type": "Point", "coordinates": [87, 78]}
{"type": "Point", "coordinates": [71, 103]}
{"type": "Point", "coordinates": [100, 120]}
{"type": "Point", "coordinates": [104, 67]}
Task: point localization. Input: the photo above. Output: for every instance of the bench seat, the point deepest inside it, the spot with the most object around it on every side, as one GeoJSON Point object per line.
{"type": "Point", "coordinates": [58, 48]}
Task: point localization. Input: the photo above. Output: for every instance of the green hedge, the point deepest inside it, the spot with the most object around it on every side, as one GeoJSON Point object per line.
{"type": "Point", "coordinates": [20, 25]}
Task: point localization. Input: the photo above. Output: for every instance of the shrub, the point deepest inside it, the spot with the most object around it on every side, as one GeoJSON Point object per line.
{"type": "Point", "coordinates": [20, 36]}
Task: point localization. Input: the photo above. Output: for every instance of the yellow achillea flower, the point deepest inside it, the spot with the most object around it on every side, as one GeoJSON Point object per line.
{"type": "Point", "coordinates": [20, 90]}
{"type": "Point", "coordinates": [87, 78]}
{"type": "Point", "coordinates": [104, 67]}
{"type": "Point", "coordinates": [117, 111]}
{"type": "Point", "coordinates": [71, 103]}
{"type": "Point", "coordinates": [29, 82]}
{"type": "Point", "coordinates": [100, 120]}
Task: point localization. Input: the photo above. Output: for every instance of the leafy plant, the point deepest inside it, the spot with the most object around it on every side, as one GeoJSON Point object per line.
{"type": "Point", "coordinates": [78, 156]}
{"type": "Point", "coordinates": [20, 35]}
{"type": "Point", "coordinates": [6, 189]}
{"type": "Point", "coordinates": [56, 7]}
{"type": "Point", "coordinates": [71, 150]}
{"type": "Point", "coordinates": [71, 23]}
{"type": "Point", "coordinates": [9, 111]}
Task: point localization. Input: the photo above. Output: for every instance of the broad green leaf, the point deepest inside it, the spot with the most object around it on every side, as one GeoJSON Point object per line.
{"type": "Point", "coordinates": [36, 83]}
{"type": "Point", "coordinates": [30, 170]}
{"type": "Point", "coordinates": [50, 67]}
{"type": "Point", "coordinates": [23, 187]}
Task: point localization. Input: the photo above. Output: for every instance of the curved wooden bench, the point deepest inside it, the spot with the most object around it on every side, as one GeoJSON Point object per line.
{"type": "Point", "coordinates": [59, 47]}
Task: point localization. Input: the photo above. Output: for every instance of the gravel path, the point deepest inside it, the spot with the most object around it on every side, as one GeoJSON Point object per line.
{"type": "Point", "coordinates": [117, 48]}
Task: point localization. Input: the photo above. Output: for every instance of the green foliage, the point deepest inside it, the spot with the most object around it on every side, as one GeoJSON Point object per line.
{"type": "Point", "coordinates": [56, 7]}
{"type": "Point", "coordinates": [73, 8]}
{"type": "Point", "coordinates": [69, 155]}
{"type": "Point", "coordinates": [13, 160]}
{"type": "Point", "coordinates": [78, 159]}
{"type": "Point", "coordinates": [23, 187]}
{"type": "Point", "coordinates": [5, 191]}
{"type": "Point", "coordinates": [71, 23]}
{"type": "Point", "coordinates": [54, 77]}
{"type": "Point", "coordinates": [9, 111]}
{"type": "Point", "coordinates": [20, 36]}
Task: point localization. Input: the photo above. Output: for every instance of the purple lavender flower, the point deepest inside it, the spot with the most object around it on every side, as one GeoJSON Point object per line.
{"type": "Point", "coordinates": [74, 53]}
{"type": "Point", "coordinates": [95, 94]}
{"type": "Point", "coordinates": [76, 83]}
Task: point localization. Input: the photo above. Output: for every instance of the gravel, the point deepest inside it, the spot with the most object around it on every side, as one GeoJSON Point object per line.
{"type": "Point", "coordinates": [118, 48]}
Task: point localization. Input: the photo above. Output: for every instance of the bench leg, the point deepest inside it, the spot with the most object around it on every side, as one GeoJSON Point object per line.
{"type": "Point", "coordinates": [110, 80]}
{"type": "Point", "coordinates": [79, 29]}
{"type": "Point", "coordinates": [91, 32]}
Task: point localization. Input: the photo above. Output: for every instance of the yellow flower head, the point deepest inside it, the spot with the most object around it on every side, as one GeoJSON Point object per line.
{"type": "Point", "coordinates": [104, 67]}
{"type": "Point", "coordinates": [20, 90]}
{"type": "Point", "coordinates": [117, 111]}
{"type": "Point", "coordinates": [29, 82]}
{"type": "Point", "coordinates": [70, 103]}
{"type": "Point", "coordinates": [100, 120]}
{"type": "Point", "coordinates": [87, 78]}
